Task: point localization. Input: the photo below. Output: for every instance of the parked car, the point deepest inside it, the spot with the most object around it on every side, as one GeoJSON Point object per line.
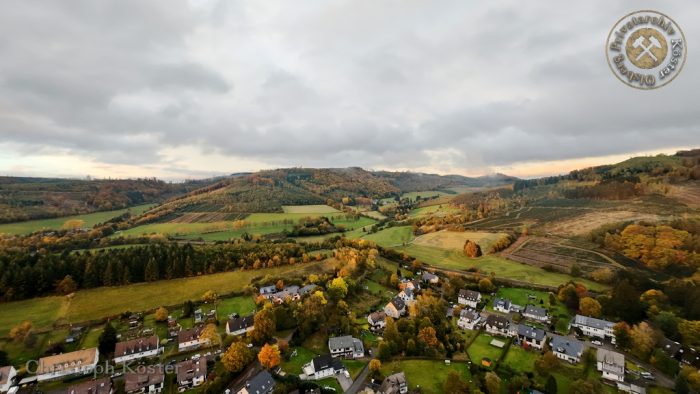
{"type": "Point", "coordinates": [597, 343]}
{"type": "Point", "coordinates": [647, 376]}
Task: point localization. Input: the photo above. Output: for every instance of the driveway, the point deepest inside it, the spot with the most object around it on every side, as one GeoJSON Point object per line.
{"type": "Point", "coordinates": [359, 382]}
{"type": "Point", "coordinates": [344, 381]}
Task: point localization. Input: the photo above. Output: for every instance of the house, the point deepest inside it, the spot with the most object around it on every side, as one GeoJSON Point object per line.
{"type": "Point", "coordinates": [689, 356]}
{"type": "Point", "coordinates": [96, 386]}
{"type": "Point", "coordinates": [290, 293]}
{"type": "Point", "coordinates": [497, 325]}
{"type": "Point", "coordinates": [504, 305]}
{"type": "Point", "coordinates": [531, 336]}
{"type": "Point", "coordinates": [395, 384]}
{"type": "Point", "coordinates": [431, 278]}
{"type": "Point", "coordinates": [268, 291]}
{"type": "Point", "coordinates": [135, 349]}
{"type": "Point", "coordinates": [537, 313]}
{"type": "Point", "coordinates": [469, 298]}
{"type": "Point", "coordinates": [322, 367]}
{"type": "Point", "coordinates": [632, 387]}
{"type": "Point", "coordinates": [592, 327]}
{"type": "Point", "coordinates": [262, 383]}
{"type": "Point", "coordinates": [376, 320]}
{"type": "Point", "coordinates": [412, 284]}
{"type": "Point", "coordinates": [671, 348]}
{"type": "Point", "coordinates": [191, 373]}
{"type": "Point", "coordinates": [566, 349]}
{"type": "Point", "coordinates": [173, 327]}
{"type": "Point", "coordinates": [469, 319]}
{"type": "Point", "coordinates": [144, 380]}
{"type": "Point", "coordinates": [307, 289]}
{"type": "Point", "coordinates": [7, 376]}
{"type": "Point", "coordinates": [80, 362]}
{"type": "Point", "coordinates": [611, 364]}
{"type": "Point", "coordinates": [190, 340]}
{"type": "Point", "coordinates": [346, 346]}
{"type": "Point", "coordinates": [198, 316]}
{"type": "Point", "coordinates": [406, 295]}
{"type": "Point", "coordinates": [395, 308]}
{"type": "Point", "coordinates": [239, 325]}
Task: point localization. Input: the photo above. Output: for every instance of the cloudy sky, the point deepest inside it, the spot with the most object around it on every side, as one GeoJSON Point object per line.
{"type": "Point", "coordinates": [187, 89]}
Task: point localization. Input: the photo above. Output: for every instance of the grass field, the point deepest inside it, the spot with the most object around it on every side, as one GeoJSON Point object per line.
{"type": "Point", "coordinates": [430, 375]}
{"type": "Point", "coordinates": [502, 267]}
{"type": "Point", "coordinates": [392, 236]}
{"type": "Point", "coordinates": [294, 365]}
{"type": "Point", "coordinates": [454, 240]}
{"type": "Point", "coordinates": [90, 219]}
{"type": "Point", "coordinates": [482, 348]}
{"type": "Point", "coordinates": [519, 296]}
{"type": "Point", "coordinates": [307, 209]}
{"type": "Point", "coordinates": [520, 359]}
{"type": "Point", "coordinates": [434, 210]}
{"type": "Point", "coordinates": [256, 224]}
{"type": "Point", "coordinates": [106, 301]}
{"type": "Point", "coordinates": [243, 305]}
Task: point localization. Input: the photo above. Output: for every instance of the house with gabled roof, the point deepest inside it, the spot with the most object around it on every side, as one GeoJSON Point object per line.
{"type": "Point", "coordinates": [376, 320]}
{"type": "Point", "coordinates": [322, 367]}
{"type": "Point", "coordinates": [592, 327]}
{"type": "Point", "coordinates": [79, 362]}
{"type": "Point", "coordinates": [240, 325]}
{"type": "Point", "coordinates": [346, 346]}
{"type": "Point", "coordinates": [429, 277]}
{"type": "Point", "coordinates": [145, 379]}
{"type": "Point", "coordinates": [262, 383]}
{"type": "Point", "coordinates": [536, 313]}
{"type": "Point", "coordinates": [395, 384]}
{"type": "Point", "coordinates": [134, 349]}
{"type": "Point", "coordinates": [190, 339]}
{"type": "Point", "coordinates": [469, 298]}
{"type": "Point", "coordinates": [497, 325]}
{"type": "Point", "coordinates": [529, 335]}
{"type": "Point", "coordinates": [7, 377]}
{"type": "Point", "coordinates": [191, 373]}
{"type": "Point", "coordinates": [395, 308]}
{"type": "Point", "coordinates": [567, 349]}
{"type": "Point", "coordinates": [469, 319]}
{"type": "Point", "coordinates": [95, 386]}
{"type": "Point", "coordinates": [611, 364]}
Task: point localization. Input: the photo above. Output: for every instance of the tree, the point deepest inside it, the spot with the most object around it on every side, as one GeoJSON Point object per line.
{"type": "Point", "coordinates": [550, 386]}
{"type": "Point", "coordinates": [20, 331]}
{"type": "Point", "coordinates": [472, 249]}
{"type": "Point", "coordinates": [546, 363]}
{"type": "Point", "coordinates": [427, 336]}
{"type": "Point", "coordinates": [337, 289]}
{"type": "Point", "coordinates": [279, 285]}
{"type": "Point", "coordinates": [187, 308]}
{"type": "Point", "coordinates": [681, 385]}
{"type": "Point", "coordinates": [454, 384]}
{"type": "Point", "coordinates": [161, 314]}
{"type": "Point", "coordinates": [374, 366]}
{"type": "Point", "coordinates": [690, 331]}
{"type": "Point", "coordinates": [264, 325]}
{"type": "Point", "coordinates": [589, 307]}
{"type": "Point", "coordinates": [237, 357]}
{"type": "Point", "coordinates": [603, 275]}
{"type": "Point", "coordinates": [269, 356]}
{"type": "Point", "coordinates": [66, 286]}
{"type": "Point", "coordinates": [210, 297]}
{"type": "Point", "coordinates": [107, 340]}
{"type": "Point", "coordinates": [622, 335]}
{"type": "Point", "coordinates": [211, 333]}
{"type": "Point", "coordinates": [569, 296]}
{"type": "Point", "coordinates": [643, 339]}
{"type": "Point", "coordinates": [485, 285]}
{"type": "Point", "coordinates": [30, 339]}
{"type": "Point", "coordinates": [151, 271]}
{"type": "Point", "coordinates": [384, 351]}
{"type": "Point", "coordinates": [73, 224]}
{"type": "Point", "coordinates": [493, 383]}
{"type": "Point", "coordinates": [4, 360]}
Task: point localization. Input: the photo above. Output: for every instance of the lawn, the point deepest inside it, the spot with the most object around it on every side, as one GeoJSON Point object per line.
{"type": "Point", "coordinates": [243, 305]}
{"type": "Point", "coordinates": [90, 219]}
{"type": "Point", "coordinates": [295, 364]}
{"type": "Point", "coordinates": [354, 367]}
{"type": "Point", "coordinates": [482, 348]}
{"type": "Point", "coordinates": [520, 297]}
{"type": "Point", "coordinates": [502, 267]}
{"type": "Point", "coordinates": [317, 343]}
{"type": "Point", "coordinates": [330, 383]}
{"type": "Point", "coordinates": [91, 339]}
{"type": "Point", "coordinates": [392, 236]}
{"type": "Point", "coordinates": [308, 209]}
{"type": "Point", "coordinates": [520, 359]}
{"type": "Point", "coordinates": [430, 375]}
{"type": "Point", "coordinates": [455, 240]}
{"type": "Point", "coordinates": [107, 301]}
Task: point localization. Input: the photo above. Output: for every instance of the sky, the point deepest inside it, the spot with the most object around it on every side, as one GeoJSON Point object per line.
{"type": "Point", "coordinates": [182, 89]}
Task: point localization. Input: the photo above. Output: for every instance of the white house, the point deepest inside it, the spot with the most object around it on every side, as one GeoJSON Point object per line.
{"type": "Point", "coordinates": [592, 327]}
{"type": "Point", "coordinates": [504, 305]}
{"type": "Point", "coordinates": [431, 278]}
{"type": "Point", "coordinates": [7, 375]}
{"type": "Point", "coordinates": [536, 313]}
{"type": "Point", "coordinates": [469, 298]}
{"type": "Point", "coordinates": [80, 362]}
{"type": "Point", "coordinates": [469, 319]}
{"type": "Point", "coordinates": [376, 320]}
{"type": "Point", "coordinates": [497, 325]}
{"type": "Point", "coordinates": [567, 349]}
{"type": "Point", "coordinates": [322, 367]}
{"type": "Point", "coordinates": [268, 291]}
{"type": "Point", "coordinates": [395, 308]}
{"type": "Point", "coordinates": [395, 384]}
{"type": "Point", "coordinates": [135, 349]}
{"type": "Point", "coordinates": [532, 336]}
{"type": "Point", "coordinates": [262, 383]}
{"type": "Point", "coordinates": [406, 295]}
{"type": "Point", "coordinates": [346, 346]}
{"type": "Point", "coordinates": [611, 364]}
{"type": "Point", "coordinates": [239, 325]}
{"type": "Point", "coordinates": [190, 340]}
{"type": "Point", "coordinates": [191, 373]}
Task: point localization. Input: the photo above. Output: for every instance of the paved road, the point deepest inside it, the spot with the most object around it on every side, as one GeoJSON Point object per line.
{"type": "Point", "coordinates": [359, 382]}
{"type": "Point", "coordinates": [661, 379]}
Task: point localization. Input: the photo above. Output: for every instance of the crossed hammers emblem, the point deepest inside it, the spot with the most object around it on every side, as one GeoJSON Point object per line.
{"type": "Point", "coordinates": [646, 49]}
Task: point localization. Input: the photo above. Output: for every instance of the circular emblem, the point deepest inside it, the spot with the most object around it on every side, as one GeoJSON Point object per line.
{"type": "Point", "coordinates": [646, 49]}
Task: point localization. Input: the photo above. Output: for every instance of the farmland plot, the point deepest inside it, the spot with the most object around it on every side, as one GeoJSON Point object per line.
{"type": "Point", "coordinates": [454, 240]}
{"type": "Point", "coordinates": [546, 252]}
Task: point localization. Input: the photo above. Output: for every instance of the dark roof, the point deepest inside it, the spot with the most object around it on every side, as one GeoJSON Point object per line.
{"type": "Point", "coordinates": [377, 316]}
{"type": "Point", "coordinates": [470, 295]}
{"type": "Point", "coordinates": [501, 301]}
{"type": "Point", "coordinates": [189, 369]}
{"type": "Point", "coordinates": [469, 314]}
{"type": "Point", "coordinates": [98, 386]}
{"type": "Point", "coordinates": [428, 276]}
{"type": "Point", "coordinates": [393, 383]}
{"type": "Point", "coordinates": [326, 361]}
{"type": "Point", "coordinates": [398, 303]}
{"type": "Point", "coordinates": [144, 376]}
{"type": "Point", "coordinates": [570, 347]}
{"type": "Point", "coordinates": [188, 335]}
{"type": "Point", "coordinates": [498, 321]}
{"type": "Point", "coordinates": [261, 383]}
{"type": "Point", "coordinates": [530, 332]}
{"type": "Point", "coordinates": [592, 322]}
{"type": "Point", "coordinates": [535, 311]}
{"type": "Point", "coordinates": [137, 345]}
{"type": "Point", "coordinates": [240, 323]}
{"type": "Point", "coordinates": [690, 356]}
{"type": "Point", "coordinates": [307, 289]}
{"type": "Point", "coordinates": [669, 347]}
